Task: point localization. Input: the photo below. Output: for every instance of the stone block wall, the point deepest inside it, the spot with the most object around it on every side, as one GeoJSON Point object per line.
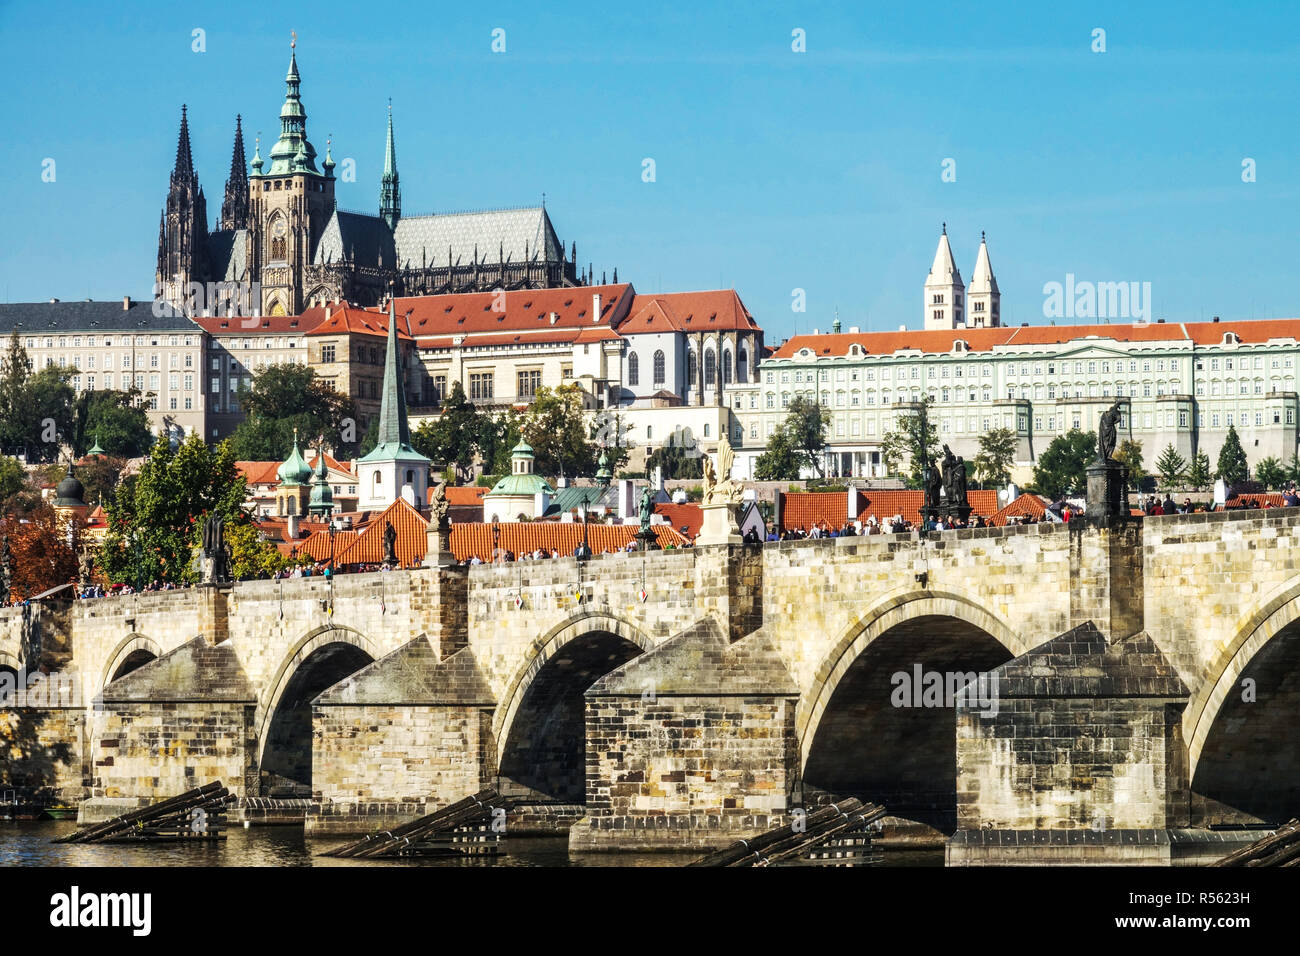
{"type": "Point", "coordinates": [153, 750]}
{"type": "Point", "coordinates": [44, 750]}
{"type": "Point", "coordinates": [680, 773]}
{"type": "Point", "coordinates": [426, 755]}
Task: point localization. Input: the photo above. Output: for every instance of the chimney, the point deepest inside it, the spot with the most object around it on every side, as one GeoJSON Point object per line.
{"type": "Point", "coordinates": [328, 312]}
{"type": "Point", "coordinates": [555, 316]}
{"type": "Point", "coordinates": [1216, 318]}
{"type": "Point", "coordinates": [291, 528]}
{"type": "Point", "coordinates": [595, 307]}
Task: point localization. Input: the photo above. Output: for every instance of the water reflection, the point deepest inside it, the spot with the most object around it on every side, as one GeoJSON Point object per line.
{"type": "Point", "coordinates": [28, 844]}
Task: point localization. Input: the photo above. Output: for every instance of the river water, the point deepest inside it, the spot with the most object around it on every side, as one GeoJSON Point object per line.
{"type": "Point", "coordinates": [29, 844]}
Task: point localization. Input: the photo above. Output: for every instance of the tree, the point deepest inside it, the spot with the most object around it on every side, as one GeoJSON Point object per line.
{"type": "Point", "coordinates": [781, 461]}
{"type": "Point", "coordinates": [679, 457]}
{"type": "Point", "coordinates": [155, 519]}
{"type": "Point", "coordinates": [902, 447]}
{"type": "Point", "coordinates": [1293, 469]}
{"type": "Point", "coordinates": [609, 431]}
{"type": "Point", "coordinates": [35, 407]}
{"type": "Point", "coordinates": [996, 456]}
{"type": "Point", "coordinates": [1271, 473]}
{"type": "Point", "coordinates": [42, 551]}
{"type": "Point", "coordinates": [288, 396]}
{"type": "Point", "coordinates": [497, 438]}
{"type": "Point", "coordinates": [455, 436]}
{"type": "Point", "coordinates": [805, 426]}
{"type": "Point", "coordinates": [251, 555]}
{"type": "Point", "coordinates": [1199, 474]}
{"type": "Point", "coordinates": [1062, 467]}
{"type": "Point", "coordinates": [13, 478]}
{"type": "Point", "coordinates": [1129, 454]}
{"type": "Point", "coordinates": [1233, 466]}
{"type": "Point", "coordinates": [556, 429]}
{"type": "Point", "coordinates": [116, 421]}
{"type": "Point", "coordinates": [1171, 467]}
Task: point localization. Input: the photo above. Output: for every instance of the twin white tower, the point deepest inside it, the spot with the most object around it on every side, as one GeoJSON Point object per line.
{"type": "Point", "coordinates": [949, 304]}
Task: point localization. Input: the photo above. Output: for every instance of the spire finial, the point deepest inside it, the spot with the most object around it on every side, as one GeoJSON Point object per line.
{"type": "Point", "coordinates": [945, 229]}
{"type": "Point", "coordinates": [293, 39]}
{"type": "Point", "coordinates": [981, 235]}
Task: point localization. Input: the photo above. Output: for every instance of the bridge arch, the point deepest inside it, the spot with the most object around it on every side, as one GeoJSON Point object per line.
{"type": "Point", "coordinates": [540, 729]}
{"type": "Point", "coordinates": [854, 739]}
{"type": "Point", "coordinates": [320, 659]}
{"type": "Point", "coordinates": [1238, 761]}
{"type": "Point", "coordinates": [132, 652]}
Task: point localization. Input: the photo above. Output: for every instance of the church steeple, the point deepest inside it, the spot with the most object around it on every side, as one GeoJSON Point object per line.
{"type": "Point", "coordinates": [390, 197]}
{"type": "Point", "coordinates": [183, 235]}
{"type": "Point", "coordinates": [945, 306]}
{"type": "Point", "coordinates": [292, 153]}
{"type": "Point", "coordinates": [234, 211]}
{"type": "Point", "coordinates": [985, 300]}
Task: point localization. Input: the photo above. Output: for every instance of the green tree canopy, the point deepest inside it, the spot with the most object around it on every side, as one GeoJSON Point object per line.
{"type": "Point", "coordinates": [288, 396]}
{"type": "Point", "coordinates": [1171, 467]}
{"type": "Point", "coordinates": [780, 461]}
{"type": "Point", "coordinates": [556, 428]}
{"type": "Point", "coordinates": [797, 444]}
{"type": "Point", "coordinates": [997, 454]}
{"type": "Point", "coordinates": [35, 407]}
{"type": "Point", "coordinates": [1199, 475]}
{"type": "Point", "coordinates": [1271, 473]}
{"type": "Point", "coordinates": [155, 519]}
{"type": "Point", "coordinates": [117, 421]}
{"type": "Point", "coordinates": [1233, 466]}
{"type": "Point", "coordinates": [1062, 467]}
{"type": "Point", "coordinates": [1129, 454]}
{"type": "Point", "coordinates": [456, 435]}
{"type": "Point", "coordinates": [679, 456]}
{"type": "Point", "coordinates": [902, 447]}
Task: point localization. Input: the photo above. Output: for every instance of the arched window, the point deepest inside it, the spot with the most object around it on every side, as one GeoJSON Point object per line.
{"type": "Point", "coordinates": [710, 367]}
{"type": "Point", "coordinates": [726, 366]}
{"type": "Point", "coordinates": [692, 370]}
{"type": "Point", "coordinates": [633, 370]}
{"type": "Point", "coordinates": [742, 366]}
{"type": "Point", "coordinates": [659, 367]}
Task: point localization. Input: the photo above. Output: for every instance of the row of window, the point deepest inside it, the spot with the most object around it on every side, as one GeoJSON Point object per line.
{"type": "Point", "coordinates": [92, 341]}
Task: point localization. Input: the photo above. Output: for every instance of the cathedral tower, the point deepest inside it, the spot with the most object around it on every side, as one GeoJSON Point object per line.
{"type": "Point", "coordinates": [944, 292]}
{"type": "Point", "coordinates": [234, 211]}
{"type": "Point", "coordinates": [290, 202]}
{"type": "Point", "coordinates": [183, 233]}
{"type": "Point", "coordinates": [983, 298]}
{"type": "Point", "coordinates": [390, 196]}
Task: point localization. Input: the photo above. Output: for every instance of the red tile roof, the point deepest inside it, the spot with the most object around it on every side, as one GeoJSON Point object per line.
{"type": "Point", "coordinates": [522, 310]}
{"type": "Point", "coordinates": [983, 340]}
{"type": "Point", "coordinates": [464, 494]}
{"type": "Point", "coordinates": [264, 472]}
{"type": "Point", "coordinates": [350, 319]}
{"type": "Point", "coordinates": [468, 540]}
{"type": "Point", "coordinates": [684, 516]}
{"type": "Point", "coordinates": [719, 309]}
{"type": "Point", "coordinates": [803, 510]}
{"type": "Point", "coordinates": [1030, 505]}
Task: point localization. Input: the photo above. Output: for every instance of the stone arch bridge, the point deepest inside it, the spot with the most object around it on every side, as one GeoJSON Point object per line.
{"type": "Point", "coordinates": [1138, 678]}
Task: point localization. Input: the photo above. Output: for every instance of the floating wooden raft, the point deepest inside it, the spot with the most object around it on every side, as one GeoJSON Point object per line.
{"type": "Point", "coordinates": [1281, 848]}
{"type": "Point", "coordinates": [464, 828]}
{"type": "Point", "coordinates": [198, 814]}
{"type": "Point", "coordinates": [830, 835]}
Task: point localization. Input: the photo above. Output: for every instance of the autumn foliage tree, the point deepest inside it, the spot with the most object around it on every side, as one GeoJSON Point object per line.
{"type": "Point", "coordinates": [41, 556]}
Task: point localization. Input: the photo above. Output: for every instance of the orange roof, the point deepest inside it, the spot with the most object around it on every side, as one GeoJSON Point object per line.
{"type": "Point", "coordinates": [463, 494]}
{"type": "Point", "coordinates": [521, 310]}
{"type": "Point", "coordinates": [261, 324]}
{"type": "Point", "coordinates": [472, 539]}
{"type": "Point", "coordinates": [350, 319]}
{"type": "Point", "coordinates": [1030, 505]}
{"type": "Point", "coordinates": [1255, 499]}
{"type": "Point", "coordinates": [97, 516]}
{"type": "Point", "coordinates": [803, 510]}
{"type": "Point", "coordinates": [264, 472]}
{"type": "Point", "coordinates": [688, 312]}
{"type": "Point", "coordinates": [684, 516]}
{"type": "Point", "coordinates": [504, 338]}
{"type": "Point", "coordinates": [983, 340]}
{"type": "Point", "coordinates": [317, 546]}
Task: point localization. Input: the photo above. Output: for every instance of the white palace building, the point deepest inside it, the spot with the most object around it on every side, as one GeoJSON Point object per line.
{"type": "Point", "coordinates": [1180, 383]}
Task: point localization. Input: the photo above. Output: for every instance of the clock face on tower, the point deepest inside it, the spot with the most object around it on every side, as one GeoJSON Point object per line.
{"type": "Point", "coordinates": [278, 229]}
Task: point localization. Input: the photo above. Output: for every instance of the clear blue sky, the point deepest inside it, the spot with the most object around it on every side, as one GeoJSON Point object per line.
{"type": "Point", "coordinates": [775, 170]}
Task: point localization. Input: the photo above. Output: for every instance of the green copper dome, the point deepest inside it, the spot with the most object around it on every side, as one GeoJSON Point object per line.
{"type": "Point", "coordinates": [322, 495]}
{"type": "Point", "coordinates": [295, 470]}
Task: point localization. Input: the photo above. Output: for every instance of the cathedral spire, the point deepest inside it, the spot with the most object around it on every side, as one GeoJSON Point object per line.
{"type": "Point", "coordinates": [234, 211]}
{"type": "Point", "coordinates": [292, 153]}
{"type": "Point", "coordinates": [184, 159]}
{"type": "Point", "coordinates": [985, 299]}
{"type": "Point", "coordinates": [945, 306]}
{"type": "Point", "coordinates": [390, 196]}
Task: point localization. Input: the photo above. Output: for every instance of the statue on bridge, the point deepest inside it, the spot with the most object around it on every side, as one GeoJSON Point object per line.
{"type": "Point", "coordinates": [439, 509]}
{"type": "Point", "coordinates": [954, 478]}
{"type": "Point", "coordinates": [933, 482]}
{"type": "Point", "coordinates": [214, 559]}
{"type": "Point", "coordinates": [390, 543]}
{"type": "Point", "coordinates": [645, 534]}
{"type": "Point", "coordinates": [1107, 431]}
{"type": "Point", "coordinates": [85, 565]}
{"type": "Point", "coordinates": [719, 487]}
